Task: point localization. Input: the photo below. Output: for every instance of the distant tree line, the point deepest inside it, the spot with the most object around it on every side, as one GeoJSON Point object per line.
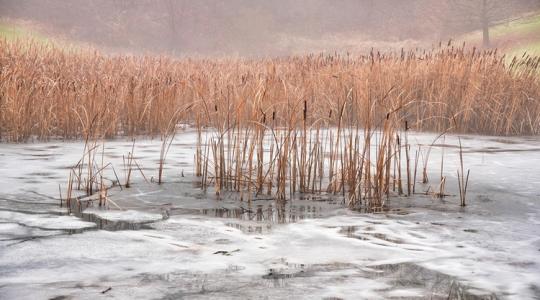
{"type": "Point", "coordinates": [252, 25]}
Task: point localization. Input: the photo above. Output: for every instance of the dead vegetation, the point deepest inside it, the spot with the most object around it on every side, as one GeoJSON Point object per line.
{"type": "Point", "coordinates": [297, 125]}
{"type": "Point", "coordinates": [364, 161]}
{"type": "Point", "coordinates": [49, 92]}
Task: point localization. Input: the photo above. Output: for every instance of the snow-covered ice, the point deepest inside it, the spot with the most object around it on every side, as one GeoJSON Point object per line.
{"type": "Point", "coordinates": [190, 245]}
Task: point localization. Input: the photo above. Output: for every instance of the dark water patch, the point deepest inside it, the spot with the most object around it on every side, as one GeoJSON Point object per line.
{"type": "Point", "coordinates": [277, 274]}
{"type": "Point", "coordinates": [535, 289]}
{"type": "Point", "coordinates": [367, 235]}
{"type": "Point", "coordinates": [440, 285]}
{"type": "Point", "coordinates": [395, 209]}
{"type": "Point", "coordinates": [78, 209]}
{"type": "Point", "coordinates": [291, 270]}
{"type": "Point", "coordinates": [61, 297]}
{"type": "Point", "coordinates": [229, 213]}
{"type": "Point", "coordinates": [385, 237]}
{"type": "Point", "coordinates": [108, 225]}
{"type": "Point", "coordinates": [375, 222]}
{"type": "Point", "coordinates": [268, 211]}
{"type": "Point", "coordinates": [251, 229]}
{"type": "Point", "coordinates": [348, 231]}
{"type": "Point", "coordinates": [285, 271]}
{"type": "Point", "coordinates": [522, 264]}
{"type": "Point", "coordinates": [226, 253]}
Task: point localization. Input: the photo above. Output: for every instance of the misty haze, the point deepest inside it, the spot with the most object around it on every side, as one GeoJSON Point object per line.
{"type": "Point", "coordinates": [256, 149]}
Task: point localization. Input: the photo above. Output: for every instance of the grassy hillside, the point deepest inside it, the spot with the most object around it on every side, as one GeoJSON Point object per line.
{"type": "Point", "coordinates": [12, 31]}
{"type": "Point", "coordinates": [514, 37]}
{"type": "Point", "coordinates": [21, 31]}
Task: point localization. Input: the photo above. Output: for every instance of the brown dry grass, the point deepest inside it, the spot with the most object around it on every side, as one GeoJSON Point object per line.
{"type": "Point", "coordinates": [50, 92]}
{"type": "Point", "coordinates": [307, 124]}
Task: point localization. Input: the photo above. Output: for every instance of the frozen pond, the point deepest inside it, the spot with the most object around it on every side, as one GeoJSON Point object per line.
{"type": "Point", "coordinates": [174, 241]}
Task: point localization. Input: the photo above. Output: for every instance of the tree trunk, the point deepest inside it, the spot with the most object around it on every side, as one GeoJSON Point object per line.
{"type": "Point", "coordinates": [485, 25]}
{"type": "Point", "coordinates": [485, 36]}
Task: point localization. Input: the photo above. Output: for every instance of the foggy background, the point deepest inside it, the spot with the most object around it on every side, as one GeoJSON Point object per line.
{"type": "Point", "coordinates": [261, 27]}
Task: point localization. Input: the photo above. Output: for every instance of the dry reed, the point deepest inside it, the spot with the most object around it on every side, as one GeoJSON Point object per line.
{"type": "Point", "coordinates": [305, 124]}
{"type": "Point", "coordinates": [49, 92]}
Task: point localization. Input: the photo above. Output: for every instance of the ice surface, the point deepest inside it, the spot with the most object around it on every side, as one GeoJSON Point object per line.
{"type": "Point", "coordinates": [131, 216]}
{"type": "Point", "coordinates": [196, 247]}
{"type": "Point", "coordinates": [44, 221]}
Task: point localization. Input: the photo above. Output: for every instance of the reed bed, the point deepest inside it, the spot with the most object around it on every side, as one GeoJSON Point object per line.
{"type": "Point", "coordinates": [48, 92]}
{"type": "Point", "coordinates": [314, 124]}
{"type": "Point", "coordinates": [363, 162]}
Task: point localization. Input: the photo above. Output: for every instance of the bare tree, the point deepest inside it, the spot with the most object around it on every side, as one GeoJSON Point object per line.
{"type": "Point", "coordinates": [481, 14]}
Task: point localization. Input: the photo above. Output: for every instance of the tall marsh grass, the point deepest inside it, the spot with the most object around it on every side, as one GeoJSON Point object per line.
{"type": "Point", "coordinates": [48, 92]}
